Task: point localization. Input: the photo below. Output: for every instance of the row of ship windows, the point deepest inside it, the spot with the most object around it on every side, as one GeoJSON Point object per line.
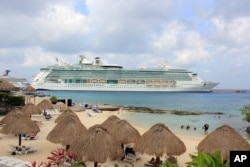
{"type": "Point", "coordinates": [81, 80]}
{"type": "Point", "coordinates": [111, 81]}
{"type": "Point", "coordinates": [141, 76]}
{"type": "Point", "coordinates": [117, 86]}
{"type": "Point", "coordinates": [122, 76]}
{"type": "Point", "coordinates": [102, 81]}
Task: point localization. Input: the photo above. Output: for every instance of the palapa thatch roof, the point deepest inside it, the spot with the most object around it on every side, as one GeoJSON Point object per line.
{"type": "Point", "coordinates": [30, 109]}
{"type": "Point", "coordinates": [7, 86]}
{"type": "Point", "coordinates": [61, 106]}
{"type": "Point", "coordinates": [65, 114]}
{"type": "Point", "coordinates": [159, 140]}
{"type": "Point", "coordinates": [110, 123]}
{"type": "Point", "coordinates": [67, 130]}
{"type": "Point", "coordinates": [223, 139]}
{"type": "Point", "coordinates": [45, 104]}
{"type": "Point", "coordinates": [97, 145]}
{"type": "Point", "coordinates": [30, 89]}
{"type": "Point", "coordinates": [9, 117]}
{"type": "Point", "coordinates": [124, 132]}
{"type": "Point", "coordinates": [19, 124]}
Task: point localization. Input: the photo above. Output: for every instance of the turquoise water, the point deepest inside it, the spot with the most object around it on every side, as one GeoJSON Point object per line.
{"type": "Point", "coordinates": [228, 103]}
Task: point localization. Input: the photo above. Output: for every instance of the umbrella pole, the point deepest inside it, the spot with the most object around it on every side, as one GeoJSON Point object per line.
{"type": "Point", "coordinates": [95, 164]}
{"type": "Point", "coordinates": [20, 139]}
{"type": "Point", "coordinates": [67, 147]}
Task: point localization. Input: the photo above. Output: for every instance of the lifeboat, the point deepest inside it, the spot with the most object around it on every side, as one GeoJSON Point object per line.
{"type": "Point", "coordinates": [149, 83]}
{"type": "Point", "coordinates": [157, 83]}
{"type": "Point", "coordinates": [131, 81]}
{"type": "Point", "coordinates": [122, 81]}
{"type": "Point", "coordinates": [94, 81]}
{"type": "Point", "coordinates": [102, 81]}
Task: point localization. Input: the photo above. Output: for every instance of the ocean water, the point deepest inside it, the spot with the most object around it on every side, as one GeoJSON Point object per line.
{"type": "Point", "coordinates": [228, 103]}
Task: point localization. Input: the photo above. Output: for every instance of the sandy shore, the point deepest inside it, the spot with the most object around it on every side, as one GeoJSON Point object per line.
{"type": "Point", "coordinates": [45, 147]}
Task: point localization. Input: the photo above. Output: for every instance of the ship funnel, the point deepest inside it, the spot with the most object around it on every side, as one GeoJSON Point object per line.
{"type": "Point", "coordinates": [6, 73]}
{"type": "Point", "coordinates": [97, 60]}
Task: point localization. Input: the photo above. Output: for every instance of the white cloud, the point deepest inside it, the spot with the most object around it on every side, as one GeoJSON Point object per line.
{"type": "Point", "coordinates": [236, 31]}
{"type": "Point", "coordinates": [50, 29]}
{"type": "Point", "coordinates": [185, 45]}
{"type": "Point", "coordinates": [125, 26]}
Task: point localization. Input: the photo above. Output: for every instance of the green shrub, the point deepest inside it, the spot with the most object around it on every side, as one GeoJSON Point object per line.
{"type": "Point", "coordinates": [53, 99]}
{"type": "Point", "coordinates": [169, 164]}
{"type": "Point", "coordinates": [9, 102]}
{"type": "Point", "coordinates": [207, 160]}
{"type": "Point", "coordinates": [246, 111]}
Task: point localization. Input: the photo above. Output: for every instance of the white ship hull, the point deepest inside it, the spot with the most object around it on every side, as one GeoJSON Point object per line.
{"type": "Point", "coordinates": [124, 87]}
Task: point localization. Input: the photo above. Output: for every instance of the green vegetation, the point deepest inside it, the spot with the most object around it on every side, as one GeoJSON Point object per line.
{"type": "Point", "coordinates": [169, 164]}
{"type": "Point", "coordinates": [207, 160]}
{"type": "Point", "coordinates": [77, 165]}
{"type": "Point", "coordinates": [8, 102]}
{"type": "Point", "coordinates": [53, 99]}
{"type": "Point", "coordinates": [246, 111]}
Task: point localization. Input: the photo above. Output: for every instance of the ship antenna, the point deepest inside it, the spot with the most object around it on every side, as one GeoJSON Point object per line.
{"type": "Point", "coordinates": [82, 57]}
{"type": "Point", "coordinates": [6, 73]}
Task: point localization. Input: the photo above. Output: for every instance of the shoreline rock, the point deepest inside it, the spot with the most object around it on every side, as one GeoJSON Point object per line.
{"type": "Point", "coordinates": [162, 111]}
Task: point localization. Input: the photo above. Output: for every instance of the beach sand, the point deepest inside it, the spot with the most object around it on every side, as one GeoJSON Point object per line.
{"type": "Point", "coordinates": [45, 147]}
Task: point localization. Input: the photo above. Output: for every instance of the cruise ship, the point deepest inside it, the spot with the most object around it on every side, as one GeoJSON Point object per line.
{"type": "Point", "coordinates": [20, 83]}
{"type": "Point", "coordinates": [97, 76]}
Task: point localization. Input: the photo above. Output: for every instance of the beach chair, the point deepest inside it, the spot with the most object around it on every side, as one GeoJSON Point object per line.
{"type": "Point", "coordinates": [28, 150]}
{"type": "Point", "coordinates": [13, 163]}
{"type": "Point", "coordinates": [130, 158]}
{"type": "Point", "coordinates": [47, 115]}
{"type": "Point", "coordinates": [96, 110]}
{"type": "Point", "coordinates": [31, 136]}
{"type": "Point", "coordinates": [23, 164]}
{"type": "Point", "coordinates": [91, 114]}
{"type": "Point", "coordinates": [69, 161]}
{"type": "Point", "coordinates": [4, 160]}
{"type": "Point", "coordinates": [21, 150]}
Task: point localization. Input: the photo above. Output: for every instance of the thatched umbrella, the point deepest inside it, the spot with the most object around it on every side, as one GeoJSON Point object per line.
{"type": "Point", "coordinates": [159, 140]}
{"type": "Point", "coordinates": [30, 89]}
{"type": "Point", "coordinates": [224, 139]}
{"type": "Point", "coordinates": [65, 114]}
{"type": "Point", "coordinates": [30, 109]}
{"type": "Point", "coordinates": [7, 86]}
{"type": "Point", "coordinates": [61, 106]}
{"type": "Point", "coordinates": [19, 124]}
{"type": "Point", "coordinates": [9, 117]}
{"type": "Point", "coordinates": [110, 123]}
{"type": "Point", "coordinates": [45, 104]}
{"type": "Point", "coordinates": [124, 132]}
{"type": "Point", "coordinates": [97, 145]}
{"type": "Point", "coordinates": [66, 131]}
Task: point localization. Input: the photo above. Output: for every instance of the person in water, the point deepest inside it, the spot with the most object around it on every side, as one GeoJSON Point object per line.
{"type": "Point", "coordinates": [205, 127]}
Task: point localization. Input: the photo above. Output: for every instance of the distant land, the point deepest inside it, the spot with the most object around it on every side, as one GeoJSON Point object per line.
{"type": "Point", "coordinates": [231, 90]}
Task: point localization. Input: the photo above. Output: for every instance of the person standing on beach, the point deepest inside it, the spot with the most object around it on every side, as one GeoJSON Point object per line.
{"type": "Point", "coordinates": [205, 127]}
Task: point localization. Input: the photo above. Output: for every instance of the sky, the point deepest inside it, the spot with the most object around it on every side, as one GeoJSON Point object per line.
{"type": "Point", "coordinates": [210, 38]}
